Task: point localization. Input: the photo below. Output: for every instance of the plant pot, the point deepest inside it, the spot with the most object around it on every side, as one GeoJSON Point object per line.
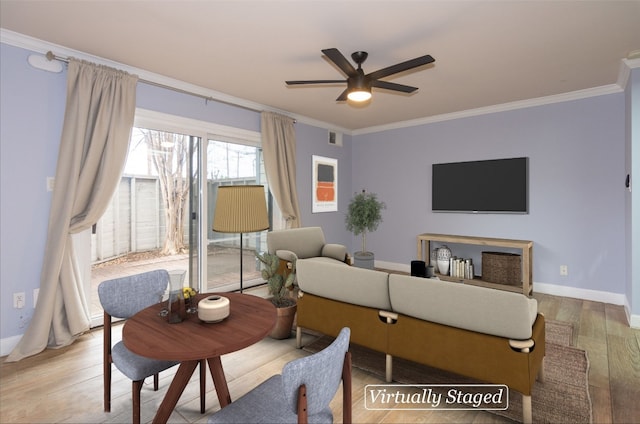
{"type": "Point", "coordinates": [363, 259]}
{"type": "Point", "coordinates": [284, 322]}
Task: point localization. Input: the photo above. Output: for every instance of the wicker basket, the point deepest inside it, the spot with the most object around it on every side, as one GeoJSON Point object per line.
{"type": "Point", "coordinates": [501, 268]}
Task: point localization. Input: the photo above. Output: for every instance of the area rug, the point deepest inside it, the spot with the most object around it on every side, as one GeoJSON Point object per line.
{"type": "Point", "coordinates": [562, 398]}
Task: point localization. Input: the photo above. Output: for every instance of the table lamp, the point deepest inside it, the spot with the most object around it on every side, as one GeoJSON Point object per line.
{"type": "Point", "coordinates": [241, 209]}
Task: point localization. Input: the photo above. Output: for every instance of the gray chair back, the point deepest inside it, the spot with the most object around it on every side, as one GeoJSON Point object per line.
{"type": "Point", "coordinates": [321, 373]}
{"type": "Point", "coordinates": [124, 297]}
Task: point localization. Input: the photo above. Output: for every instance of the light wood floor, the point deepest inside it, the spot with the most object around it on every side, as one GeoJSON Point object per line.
{"type": "Point", "coordinates": [65, 386]}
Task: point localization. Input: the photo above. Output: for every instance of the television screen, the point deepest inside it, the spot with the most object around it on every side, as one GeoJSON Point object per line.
{"type": "Point", "coordinates": [489, 186]}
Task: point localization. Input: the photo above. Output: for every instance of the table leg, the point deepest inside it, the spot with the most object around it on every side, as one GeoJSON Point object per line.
{"type": "Point", "coordinates": [219, 380]}
{"type": "Point", "coordinates": [180, 380]}
{"type": "Point", "coordinates": [203, 384]}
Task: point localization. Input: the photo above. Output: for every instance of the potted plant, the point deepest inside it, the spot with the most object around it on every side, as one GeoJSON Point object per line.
{"type": "Point", "coordinates": [364, 215]}
{"type": "Point", "coordinates": [281, 283]}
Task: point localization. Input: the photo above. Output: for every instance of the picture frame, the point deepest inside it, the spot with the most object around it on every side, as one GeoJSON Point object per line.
{"type": "Point", "coordinates": [324, 187]}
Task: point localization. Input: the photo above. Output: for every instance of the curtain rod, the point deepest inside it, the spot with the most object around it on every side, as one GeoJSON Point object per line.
{"type": "Point", "coordinates": [51, 56]}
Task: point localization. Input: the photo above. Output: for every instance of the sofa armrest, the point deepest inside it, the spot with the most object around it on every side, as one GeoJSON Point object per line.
{"type": "Point", "coordinates": [335, 251]}
{"type": "Point", "coordinates": [286, 255]}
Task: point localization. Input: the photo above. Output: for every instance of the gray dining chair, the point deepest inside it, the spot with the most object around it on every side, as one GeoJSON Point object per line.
{"type": "Point", "coordinates": [122, 298]}
{"type": "Point", "coordinates": [301, 394]}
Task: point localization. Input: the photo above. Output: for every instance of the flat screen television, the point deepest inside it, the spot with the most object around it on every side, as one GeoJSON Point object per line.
{"type": "Point", "coordinates": [486, 186]}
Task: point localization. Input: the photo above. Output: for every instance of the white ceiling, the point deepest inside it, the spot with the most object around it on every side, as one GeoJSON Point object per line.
{"type": "Point", "coordinates": [487, 52]}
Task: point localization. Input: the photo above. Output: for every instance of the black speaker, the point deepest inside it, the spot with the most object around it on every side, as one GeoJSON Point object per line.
{"type": "Point", "coordinates": [418, 269]}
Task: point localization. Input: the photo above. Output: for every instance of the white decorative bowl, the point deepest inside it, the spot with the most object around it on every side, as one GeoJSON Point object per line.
{"type": "Point", "coordinates": [213, 308]}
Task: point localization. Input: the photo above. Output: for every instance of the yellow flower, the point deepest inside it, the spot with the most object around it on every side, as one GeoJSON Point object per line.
{"type": "Point", "coordinates": [188, 292]}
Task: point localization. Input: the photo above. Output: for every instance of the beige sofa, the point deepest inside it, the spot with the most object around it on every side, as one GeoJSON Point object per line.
{"type": "Point", "coordinates": [490, 335]}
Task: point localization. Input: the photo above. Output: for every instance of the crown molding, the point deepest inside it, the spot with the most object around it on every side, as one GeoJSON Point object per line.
{"type": "Point", "coordinates": [521, 104]}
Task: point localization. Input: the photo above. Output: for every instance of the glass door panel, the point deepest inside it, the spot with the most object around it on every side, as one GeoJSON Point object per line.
{"type": "Point", "coordinates": [232, 164]}
{"type": "Point", "coordinates": [147, 224]}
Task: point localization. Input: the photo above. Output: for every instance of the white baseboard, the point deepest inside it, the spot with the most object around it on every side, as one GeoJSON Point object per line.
{"type": "Point", "coordinates": [554, 289]}
{"type": "Point", "coordinates": [578, 293]}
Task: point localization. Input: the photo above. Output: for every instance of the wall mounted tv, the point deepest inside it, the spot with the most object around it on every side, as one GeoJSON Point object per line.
{"type": "Point", "coordinates": [486, 186]}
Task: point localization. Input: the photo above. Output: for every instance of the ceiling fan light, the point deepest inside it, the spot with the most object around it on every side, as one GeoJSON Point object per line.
{"type": "Point", "coordinates": [359, 95]}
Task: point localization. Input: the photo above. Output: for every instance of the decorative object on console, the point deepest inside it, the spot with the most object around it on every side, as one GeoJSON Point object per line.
{"type": "Point", "coordinates": [461, 268]}
{"type": "Point", "coordinates": [501, 268]}
{"type": "Point", "coordinates": [241, 209]}
{"type": "Point", "coordinates": [418, 269]}
{"type": "Point", "coordinates": [364, 215]}
{"type": "Point", "coordinates": [430, 272]}
{"type": "Point", "coordinates": [213, 308]}
{"type": "Point", "coordinates": [434, 258]}
{"type": "Point", "coordinates": [443, 255]}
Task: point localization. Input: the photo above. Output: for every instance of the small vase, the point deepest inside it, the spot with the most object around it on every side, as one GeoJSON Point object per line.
{"type": "Point", "coordinates": [177, 309]}
{"type": "Point", "coordinates": [443, 256]}
{"type": "Point", "coordinates": [175, 302]}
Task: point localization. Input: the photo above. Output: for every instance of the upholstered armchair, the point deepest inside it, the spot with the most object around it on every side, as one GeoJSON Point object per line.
{"type": "Point", "coordinates": [303, 243]}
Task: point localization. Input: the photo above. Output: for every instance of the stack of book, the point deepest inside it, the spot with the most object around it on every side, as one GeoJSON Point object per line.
{"type": "Point", "coordinates": [461, 268]}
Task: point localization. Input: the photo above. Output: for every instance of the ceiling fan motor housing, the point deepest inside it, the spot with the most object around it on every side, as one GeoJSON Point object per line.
{"type": "Point", "coordinates": [359, 57]}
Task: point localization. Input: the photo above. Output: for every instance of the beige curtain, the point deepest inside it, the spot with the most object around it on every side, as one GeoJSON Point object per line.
{"type": "Point", "coordinates": [93, 148]}
{"type": "Point", "coordinates": [279, 150]}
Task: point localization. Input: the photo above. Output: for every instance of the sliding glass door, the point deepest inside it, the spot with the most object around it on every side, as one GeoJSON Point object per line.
{"type": "Point", "coordinates": [162, 213]}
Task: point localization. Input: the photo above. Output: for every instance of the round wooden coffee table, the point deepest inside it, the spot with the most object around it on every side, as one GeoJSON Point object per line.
{"type": "Point", "coordinates": [148, 334]}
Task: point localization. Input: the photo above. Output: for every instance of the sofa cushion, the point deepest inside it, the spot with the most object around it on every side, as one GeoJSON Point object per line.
{"type": "Point", "coordinates": [339, 281]}
{"type": "Point", "coordinates": [484, 310]}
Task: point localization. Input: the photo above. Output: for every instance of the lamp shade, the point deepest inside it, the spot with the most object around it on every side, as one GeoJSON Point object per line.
{"type": "Point", "coordinates": [240, 209]}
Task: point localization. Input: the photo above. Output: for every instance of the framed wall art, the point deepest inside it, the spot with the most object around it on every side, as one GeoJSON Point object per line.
{"type": "Point", "coordinates": [324, 184]}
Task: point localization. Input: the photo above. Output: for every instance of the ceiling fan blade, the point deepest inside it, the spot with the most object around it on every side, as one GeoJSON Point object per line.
{"type": "Point", "coordinates": [315, 82]}
{"type": "Point", "coordinates": [393, 86]}
{"type": "Point", "coordinates": [341, 62]}
{"type": "Point", "coordinates": [343, 97]}
{"type": "Point", "coordinates": [394, 69]}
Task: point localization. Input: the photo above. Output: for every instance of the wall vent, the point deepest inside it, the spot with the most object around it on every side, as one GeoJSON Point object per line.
{"type": "Point", "coordinates": [335, 138]}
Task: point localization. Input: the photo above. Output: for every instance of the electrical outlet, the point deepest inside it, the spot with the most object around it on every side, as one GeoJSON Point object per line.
{"type": "Point", "coordinates": [564, 270]}
{"type": "Point", "coordinates": [18, 300]}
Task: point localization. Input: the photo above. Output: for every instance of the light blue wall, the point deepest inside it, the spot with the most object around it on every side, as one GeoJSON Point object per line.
{"type": "Point", "coordinates": [31, 110]}
{"type": "Point", "coordinates": [576, 156]}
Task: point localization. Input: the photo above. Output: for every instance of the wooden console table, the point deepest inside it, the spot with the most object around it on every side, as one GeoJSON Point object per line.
{"type": "Point", "coordinates": [526, 246]}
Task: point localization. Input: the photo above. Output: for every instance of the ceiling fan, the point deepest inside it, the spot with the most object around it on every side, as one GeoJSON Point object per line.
{"type": "Point", "coordinates": [358, 84]}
